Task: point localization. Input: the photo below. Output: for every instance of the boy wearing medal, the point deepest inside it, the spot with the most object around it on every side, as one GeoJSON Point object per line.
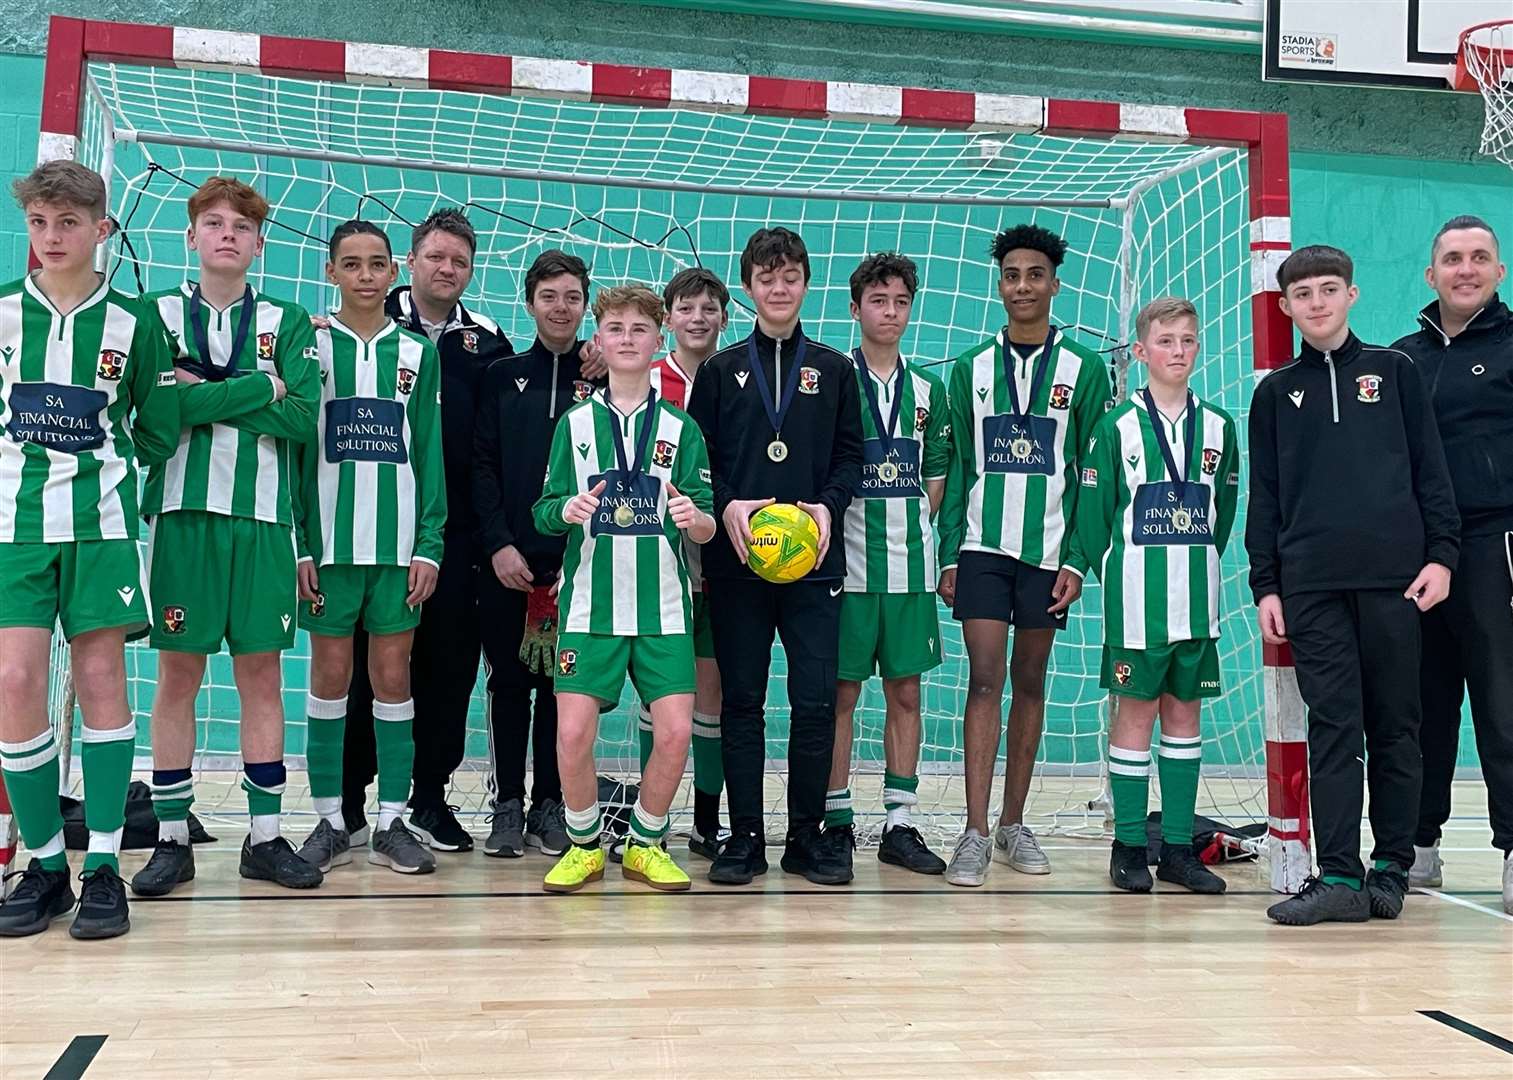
{"type": "Point", "coordinates": [782, 419]}
{"type": "Point", "coordinates": [888, 613]}
{"type": "Point", "coordinates": [1160, 482]}
{"type": "Point", "coordinates": [627, 481]}
{"type": "Point", "coordinates": [1022, 408]}
{"type": "Point", "coordinates": [221, 545]}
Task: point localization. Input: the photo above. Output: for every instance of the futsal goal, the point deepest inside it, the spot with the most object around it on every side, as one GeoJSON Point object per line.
{"type": "Point", "coordinates": [644, 171]}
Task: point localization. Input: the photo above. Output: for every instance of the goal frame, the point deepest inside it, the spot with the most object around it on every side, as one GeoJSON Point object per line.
{"type": "Point", "coordinates": [74, 42]}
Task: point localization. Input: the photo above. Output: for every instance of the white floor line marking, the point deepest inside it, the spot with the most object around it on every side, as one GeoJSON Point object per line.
{"type": "Point", "coordinates": [1437, 894]}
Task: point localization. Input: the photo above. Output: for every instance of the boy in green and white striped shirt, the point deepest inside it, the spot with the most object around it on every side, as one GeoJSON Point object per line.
{"type": "Point", "coordinates": [221, 545]}
{"type": "Point", "coordinates": [1160, 482]}
{"type": "Point", "coordinates": [369, 515]}
{"type": "Point", "coordinates": [1022, 408]}
{"type": "Point", "coordinates": [888, 622]}
{"type": "Point", "coordinates": [85, 389]}
{"type": "Point", "coordinates": [627, 479]}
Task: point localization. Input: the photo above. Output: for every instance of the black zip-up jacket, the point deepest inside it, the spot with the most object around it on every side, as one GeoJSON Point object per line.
{"type": "Point", "coordinates": [468, 344]}
{"type": "Point", "coordinates": [1470, 380]}
{"type": "Point", "coordinates": [823, 431]}
{"type": "Point", "coordinates": [1348, 484]}
{"type": "Point", "coordinates": [519, 404]}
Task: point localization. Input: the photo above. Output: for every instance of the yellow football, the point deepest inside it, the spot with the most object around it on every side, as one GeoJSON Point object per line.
{"type": "Point", "coordinates": [785, 543]}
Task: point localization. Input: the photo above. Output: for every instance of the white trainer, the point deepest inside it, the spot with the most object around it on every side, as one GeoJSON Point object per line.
{"type": "Point", "coordinates": [1428, 870]}
{"type": "Point", "coordinates": [1016, 845]}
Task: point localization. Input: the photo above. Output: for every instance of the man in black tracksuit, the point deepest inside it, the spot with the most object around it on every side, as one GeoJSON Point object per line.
{"type": "Point", "coordinates": [1464, 350]}
{"type": "Point", "coordinates": [519, 404]}
{"type": "Point", "coordinates": [782, 419]}
{"type": "Point", "coordinates": [1352, 532]}
{"type": "Point", "coordinates": [444, 657]}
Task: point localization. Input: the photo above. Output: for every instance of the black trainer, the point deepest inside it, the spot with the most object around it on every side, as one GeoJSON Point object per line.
{"type": "Point", "coordinates": [172, 863]}
{"type": "Point", "coordinates": [1320, 902]}
{"type": "Point", "coordinates": [743, 857]}
{"type": "Point", "coordinates": [276, 861]}
{"type": "Point", "coordinates": [437, 825]}
{"type": "Point", "coordinates": [1128, 868]}
{"type": "Point", "coordinates": [1180, 866]}
{"type": "Point", "coordinates": [1386, 889]}
{"type": "Point", "coordinates": [903, 846]}
{"type": "Point", "coordinates": [707, 845]}
{"type": "Point", "coordinates": [41, 896]}
{"type": "Point", "coordinates": [817, 856]}
{"type": "Point", "coordinates": [102, 906]}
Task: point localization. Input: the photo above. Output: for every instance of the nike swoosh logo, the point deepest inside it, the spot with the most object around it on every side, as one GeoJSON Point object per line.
{"type": "Point", "coordinates": [837, 590]}
{"type": "Point", "coordinates": [126, 594]}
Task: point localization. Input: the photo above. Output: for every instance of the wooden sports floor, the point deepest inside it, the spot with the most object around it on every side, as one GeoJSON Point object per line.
{"type": "Point", "coordinates": [474, 972]}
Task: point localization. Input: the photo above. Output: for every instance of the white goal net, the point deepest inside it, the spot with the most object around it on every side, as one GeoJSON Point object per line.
{"type": "Point", "coordinates": [642, 193]}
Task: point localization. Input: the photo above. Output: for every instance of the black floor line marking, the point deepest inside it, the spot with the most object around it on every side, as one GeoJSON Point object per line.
{"type": "Point", "coordinates": [1493, 1040]}
{"type": "Point", "coordinates": [76, 1058]}
{"type": "Point", "coordinates": [704, 892]}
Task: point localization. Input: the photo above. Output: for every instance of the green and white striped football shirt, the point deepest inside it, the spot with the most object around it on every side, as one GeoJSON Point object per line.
{"type": "Point", "coordinates": [1158, 587]}
{"type": "Point", "coordinates": [373, 490]}
{"type": "Point", "coordinates": [235, 453]}
{"type": "Point", "coordinates": [83, 395]}
{"type": "Point", "coordinates": [1022, 508]}
{"type": "Point", "coordinates": [890, 546]}
{"type": "Point", "coordinates": [629, 583]}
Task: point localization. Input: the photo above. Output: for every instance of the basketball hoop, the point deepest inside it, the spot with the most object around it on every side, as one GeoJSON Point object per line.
{"type": "Point", "coordinates": [1485, 63]}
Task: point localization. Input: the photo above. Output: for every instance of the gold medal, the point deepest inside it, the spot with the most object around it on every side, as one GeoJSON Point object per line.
{"type": "Point", "coordinates": [1182, 520]}
{"type": "Point", "coordinates": [777, 450]}
{"type": "Point", "coordinates": [1021, 448]}
{"type": "Point", "coordinates": [625, 517]}
{"type": "Point", "coordinates": [887, 472]}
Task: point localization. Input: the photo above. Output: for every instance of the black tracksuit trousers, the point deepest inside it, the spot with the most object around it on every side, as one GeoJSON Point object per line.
{"type": "Point", "coordinates": [1468, 646]}
{"type": "Point", "coordinates": [1356, 654]}
{"type": "Point", "coordinates": [806, 615]}
{"type": "Point", "coordinates": [512, 726]}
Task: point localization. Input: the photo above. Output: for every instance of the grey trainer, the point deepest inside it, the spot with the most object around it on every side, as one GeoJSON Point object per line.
{"type": "Point", "coordinates": [1321, 902]}
{"type": "Point", "coordinates": [400, 850]}
{"type": "Point", "coordinates": [1428, 870]}
{"type": "Point", "coordinates": [327, 846]}
{"type": "Point", "coordinates": [506, 830]}
{"type": "Point", "coordinates": [546, 827]}
{"type": "Point", "coordinates": [1016, 846]}
{"type": "Point", "coordinates": [970, 861]}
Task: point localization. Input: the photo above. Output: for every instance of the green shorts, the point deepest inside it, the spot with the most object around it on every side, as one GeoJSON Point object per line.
{"type": "Point", "coordinates": [85, 584]}
{"type": "Point", "coordinates": [659, 665]}
{"type": "Point", "coordinates": [220, 578]}
{"type": "Point", "coordinates": [703, 629]}
{"type": "Point", "coordinates": [373, 594]}
{"type": "Point", "coordinates": [893, 634]}
{"type": "Point", "coordinates": [1187, 670]}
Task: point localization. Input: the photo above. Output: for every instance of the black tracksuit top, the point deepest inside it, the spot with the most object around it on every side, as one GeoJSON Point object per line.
{"type": "Point", "coordinates": [1348, 483]}
{"type": "Point", "coordinates": [823, 432]}
{"type": "Point", "coordinates": [1470, 380]}
{"type": "Point", "coordinates": [468, 344]}
{"type": "Point", "coordinates": [519, 404]}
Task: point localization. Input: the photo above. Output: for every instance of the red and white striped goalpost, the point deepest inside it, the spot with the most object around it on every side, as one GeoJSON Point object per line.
{"type": "Point", "coordinates": [73, 42]}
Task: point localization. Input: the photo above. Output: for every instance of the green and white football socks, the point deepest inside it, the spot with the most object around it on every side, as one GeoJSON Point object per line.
{"type": "Point", "coordinates": [393, 732]}
{"type": "Point", "coordinates": [31, 781]}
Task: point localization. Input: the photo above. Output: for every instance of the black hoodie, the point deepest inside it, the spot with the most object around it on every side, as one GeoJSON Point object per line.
{"type": "Point", "coordinates": [1470, 380]}
{"type": "Point", "coordinates": [823, 433]}
{"type": "Point", "coordinates": [1348, 485]}
{"type": "Point", "coordinates": [519, 404]}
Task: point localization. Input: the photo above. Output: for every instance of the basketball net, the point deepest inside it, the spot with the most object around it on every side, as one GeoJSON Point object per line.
{"type": "Point", "coordinates": [1485, 63]}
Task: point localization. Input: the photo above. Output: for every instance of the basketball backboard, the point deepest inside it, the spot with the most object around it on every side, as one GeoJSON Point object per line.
{"type": "Point", "coordinates": [1401, 43]}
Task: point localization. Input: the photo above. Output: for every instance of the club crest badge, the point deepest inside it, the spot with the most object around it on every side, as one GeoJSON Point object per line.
{"type": "Point", "coordinates": [582, 391]}
{"type": "Point", "coordinates": [1368, 388]}
{"type": "Point", "coordinates": [567, 663]}
{"type": "Point", "coordinates": [112, 364]}
{"type": "Point", "coordinates": [470, 340]}
{"type": "Point", "coordinates": [265, 344]}
{"type": "Point", "coordinates": [318, 605]}
{"type": "Point", "coordinates": [1061, 396]}
{"type": "Point", "coordinates": [173, 619]}
{"type": "Point", "coordinates": [921, 418]}
{"type": "Point", "coordinates": [1122, 673]}
{"type": "Point", "coordinates": [1210, 460]}
{"type": "Point", "coordinates": [662, 454]}
{"type": "Point", "coordinates": [809, 380]}
{"type": "Point", "coordinates": [405, 380]}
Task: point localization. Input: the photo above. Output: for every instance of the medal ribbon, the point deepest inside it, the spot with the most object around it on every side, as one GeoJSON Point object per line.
{"type": "Point", "coordinates": [884, 431]}
{"type": "Point", "coordinates": [210, 372]}
{"type": "Point", "coordinates": [1037, 380]}
{"type": "Point", "coordinates": [633, 469]}
{"type": "Point", "coordinates": [777, 411]}
{"type": "Point", "coordinates": [1189, 430]}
